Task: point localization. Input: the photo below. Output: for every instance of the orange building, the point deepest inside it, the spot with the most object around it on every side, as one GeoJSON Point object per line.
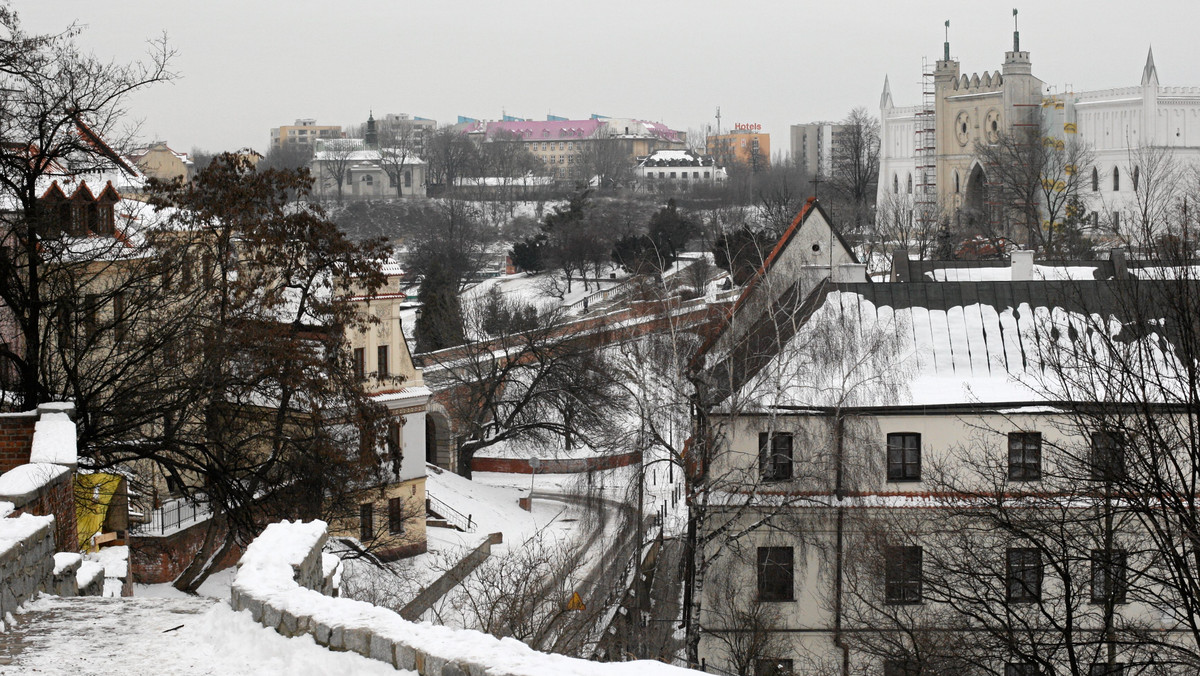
{"type": "Point", "coordinates": [746, 146]}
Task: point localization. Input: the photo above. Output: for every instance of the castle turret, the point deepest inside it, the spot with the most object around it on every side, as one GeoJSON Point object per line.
{"type": "Point", "coordinates": [371, 136]}
{"type": "Point", "coordinates": [885, 99]}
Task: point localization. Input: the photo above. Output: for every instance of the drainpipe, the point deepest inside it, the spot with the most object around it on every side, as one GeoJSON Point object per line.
{"type": "Point", "coordinates": [839, 435]}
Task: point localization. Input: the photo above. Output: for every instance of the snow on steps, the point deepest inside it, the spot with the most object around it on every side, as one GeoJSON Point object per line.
{"type": "Point", "coordinates": [279, 580]}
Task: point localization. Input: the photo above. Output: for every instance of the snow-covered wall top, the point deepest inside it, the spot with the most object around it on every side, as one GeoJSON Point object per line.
{"type": "Point", "coordinates": [274, 582]}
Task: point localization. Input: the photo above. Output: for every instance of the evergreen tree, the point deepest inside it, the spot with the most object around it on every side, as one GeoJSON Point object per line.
{"type": "Point", "coordinates": [440, 324]}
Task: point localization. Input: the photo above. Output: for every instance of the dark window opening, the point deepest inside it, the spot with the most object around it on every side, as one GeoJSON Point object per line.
{"type": "Point", "coordinates": [366, 522]}
{"type": "Point", "coordinates": [1108, 456]}
{"type": "Point", "coordinates": [902, 667]}
{"type": "Point", "coordinates": [902, 575]}
{"type": "Point", "coordinates": [1116, 179]}
{"type": "Point", "coordinates": [381, 358]}
{"type": "Point", "coordinates": [904, 457]}
{"type": "Point", "coordinates": [775, 574]}
{"type": "Point", "coordinates": [396, 516]}
{"type": "Point", "coordinates": [1024, 456]}
{"type": "Point", "coordinates": [359, 367]}
{"type": "Point", "coordinates": [775, 456]}
{"type": "Point", "coordinates": [1024, 574]}
{"type": "Point", "coordinates": [1108, 575]}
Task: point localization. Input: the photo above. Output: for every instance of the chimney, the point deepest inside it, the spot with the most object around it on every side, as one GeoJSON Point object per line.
{"type": "Point", "coordinates": [850, 273]}
{"type": "Point", "coordinates": [1022, 265]}
{"type": "Point", "coordinates": [1120, 269]}
{"type": "Point", "coordinates": [900, 271]}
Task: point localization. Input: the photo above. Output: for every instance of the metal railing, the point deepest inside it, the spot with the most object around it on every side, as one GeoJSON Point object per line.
{"type": "Point", "coordinates": [452, 516]}
{"type": "Point", "coordinates": [173, 515]}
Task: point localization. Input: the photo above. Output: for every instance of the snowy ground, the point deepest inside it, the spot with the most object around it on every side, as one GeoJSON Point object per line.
{"type": "Point", "coordinates": [161, 637]}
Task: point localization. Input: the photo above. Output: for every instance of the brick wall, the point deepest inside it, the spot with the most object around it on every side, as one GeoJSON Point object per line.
{"type": "Point", "coordinates": [16, 439]}
{"type": "Point", "coordinates": [157, 560]}
{"type": "Point", "coordinates": [58, 499]}
{"type": "Point", "coordinates": [555, 466]}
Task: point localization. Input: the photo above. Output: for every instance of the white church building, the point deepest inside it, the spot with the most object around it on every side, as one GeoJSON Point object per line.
{"type": "Point", "coordinates": [927, 150]}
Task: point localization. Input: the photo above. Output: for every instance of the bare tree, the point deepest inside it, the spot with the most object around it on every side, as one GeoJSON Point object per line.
{"type": "Point", "coordinates": [62, 108]}
{"type": "Point", "coordinates": [606, 159]}
{"type": "Point", "coordinates": [855, 169]}
{"type": "Point", "coordinates": [333, 160]}
{"type": "Point", "coordinates": [1035, 184]}
{"type": "Point", "coordinates": [451, 155]}
{"type": "Point", "coordinates": [397, 147]}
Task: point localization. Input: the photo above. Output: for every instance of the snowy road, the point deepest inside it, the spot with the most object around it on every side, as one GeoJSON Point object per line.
{"type": "Point", "coordinates": [161, 637]}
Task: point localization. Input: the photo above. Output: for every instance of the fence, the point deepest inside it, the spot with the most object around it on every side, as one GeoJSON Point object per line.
{"type": "Point", "coordinates": [174, 515]}
{"type": "Point", "coordinates": [451, 515]}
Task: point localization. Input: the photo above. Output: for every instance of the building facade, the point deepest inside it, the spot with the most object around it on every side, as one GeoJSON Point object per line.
{"type": "Point", "coordinates": [749, 148]}
{"type": "Point", "coordinates": [303, 134]}
{"type": "Point", "coordinates": [565, 147]}
{"type": "Point", "coordinates": [928, 150]}
{"type": "Point", "coordinates": [159, 161]}
{"type": "Point", "coordinates": [919, 476]}
{"type": "Point", "coordinates": [355, 169]}
{"type": "Point", "coordinates": [678, 168]}
{"type": "Point", "coordinates": [812, 146]}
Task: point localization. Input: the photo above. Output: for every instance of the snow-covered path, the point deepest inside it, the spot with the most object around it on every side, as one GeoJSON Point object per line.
{"type": "Point", "coordinates": [161, 637]}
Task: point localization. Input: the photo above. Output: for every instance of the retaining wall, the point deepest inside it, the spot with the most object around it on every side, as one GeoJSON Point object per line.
{"type": "Point", "coordinates": [283, 581]}
{"type": "Point", "coordinates": [450, 579]}
{"type": "Point", "coordinates": [26, 559]}
{"type": "Point", "coordinates": [157, 559]}
{"type": "Point", "coordinates": [16, 438]}
{"type": "Point", "coordinates": [555, 465]}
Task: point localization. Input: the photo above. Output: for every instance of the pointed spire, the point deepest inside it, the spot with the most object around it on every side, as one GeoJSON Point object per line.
{"type": "Point", "coordinates": [1150, 73]}
{"type": "Point", "coordinates": [885, 100]}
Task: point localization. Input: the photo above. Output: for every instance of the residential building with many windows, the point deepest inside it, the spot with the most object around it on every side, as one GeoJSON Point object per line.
{"type": "Point", "coordinates": [944, 472]}
{"type": "Point", "coordinates": [303, 134]}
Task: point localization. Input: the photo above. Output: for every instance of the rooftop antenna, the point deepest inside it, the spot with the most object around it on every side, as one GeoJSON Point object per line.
{"type": "Point", "coordinates": [1016, 33]}
{"type": "Point", "coordinates": [946, 44]}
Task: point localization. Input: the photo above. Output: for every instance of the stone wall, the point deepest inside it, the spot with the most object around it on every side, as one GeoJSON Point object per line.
{"type": "Point", "coordinates": [282, 581]}
{"type": "Point", "coordinates": [43, 489]}
{"type": "Point", "coordinates": [26, 559]}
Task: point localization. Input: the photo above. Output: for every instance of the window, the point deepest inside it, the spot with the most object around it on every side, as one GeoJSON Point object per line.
{"type": "Point", "coordinates": [1136, 175]}
{"type": "Point", "coordinates": [904, 457]}
{"type": "Point", "coordinates": [368, 179]}
{"type": "Point", "coordinates": [381, 361]}
{"type": "Point", "coordinates": [775, 574]}
{"type": "Point", "coordinates": [408, 179]}
{"type": "Point", "coordinates": [1095, 179]}
{"type": "Point", "coordinates": [895, 183]}
{"type": "Point", "coordinates": [775, 456]}
{"type": "Point", "coordinates": [1114, 669]}
{"type": "Point", "coordinates": [1116, 179]}
{"type": "Point", "coordinates": [119, 317]}
{"type": "Point", "coordinates": [396, 516]}
{"type": "Point", "coordinates": [772, 666]}
{"type": "Point", "coordinates": [366, 521]}
{"type": "Point", "coordinates": [956, 182]}
{"type": "Point", "coordinates": [910, 184]}
{"type": "Point", "coordinates": [1024, 456]}
{"type": "Point", "coordinates": [391, 181]}
{"type": "Point", "coordinates": [901, 668]}
{"type": "Point", "coordinates": [359, 367]}
{"type": "Point", "coordinates": [1108, 575]}
{"type": "Point", "coordinates": [672, 174]}
{"type": "Point", "coordinates": [706, 174]}
{"type": "Point", "coordinates": [1108, 456]}
{"type": "Point", "coordinates": [394, 449]}
{"type": "Point", "coordinates": [902, 575]}
{"type": "Point", "coordinates": [91, 314]}
{"type": "Point", "coordinates": [696, 174]}
{"type": "Point", "coordinates": [1021, 669]}
{"type": "Point", "coordinates": [1024, 575]}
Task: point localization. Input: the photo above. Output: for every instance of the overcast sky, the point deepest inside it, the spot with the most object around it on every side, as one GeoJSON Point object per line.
{"type": "Point", "coordinates": [248, 65]}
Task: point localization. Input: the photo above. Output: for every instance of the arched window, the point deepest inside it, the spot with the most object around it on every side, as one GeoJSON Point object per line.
{"type": "Point", "coordinates": [369, 179]}
{"type": "Point", "coordinates": [956, 182]}
{"type": "Point", "coordinates": [1136, 176]}
{"type": "Point", "coordinates": [1095, 179]}
{"type": "Point", "coordinates": [910, 184]}
{"type": "Point", "coordinates": [895, 183]}
{"type": "Point", "coordinates": [1116, 179]}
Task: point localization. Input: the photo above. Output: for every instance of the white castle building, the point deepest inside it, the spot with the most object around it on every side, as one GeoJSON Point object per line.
{"type": "Point", "coordinates": [927, 150]}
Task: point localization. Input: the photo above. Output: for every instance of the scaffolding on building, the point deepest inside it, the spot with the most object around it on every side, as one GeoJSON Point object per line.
{"type": "Point", "coordinates": [925, 151]}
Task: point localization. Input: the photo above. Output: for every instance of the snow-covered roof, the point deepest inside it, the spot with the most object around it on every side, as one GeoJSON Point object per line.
{"type": "Point", "coordinates": [930, 343]}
